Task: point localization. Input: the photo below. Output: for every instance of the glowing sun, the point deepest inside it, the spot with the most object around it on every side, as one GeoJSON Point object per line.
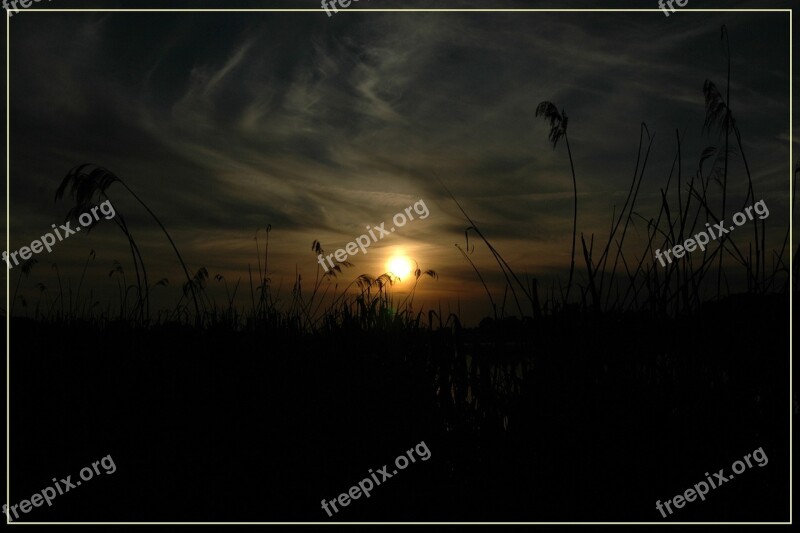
{"type": "Point", "coordinates": [399, 266]}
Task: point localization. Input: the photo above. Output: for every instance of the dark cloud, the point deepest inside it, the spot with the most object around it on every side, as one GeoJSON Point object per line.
{"type": "Point", "coordinates": [227, 122]}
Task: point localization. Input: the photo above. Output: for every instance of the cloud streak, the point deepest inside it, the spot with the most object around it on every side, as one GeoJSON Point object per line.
{"type": "Point", "coordinates": [236, 121]}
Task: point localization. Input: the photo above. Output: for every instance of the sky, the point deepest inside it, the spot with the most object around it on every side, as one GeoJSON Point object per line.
{"type": "Point", "coordinates": [225, 123]}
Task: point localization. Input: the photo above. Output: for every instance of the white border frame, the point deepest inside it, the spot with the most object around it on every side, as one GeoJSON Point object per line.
{"type": "Point", "coordinates": [358, 10]}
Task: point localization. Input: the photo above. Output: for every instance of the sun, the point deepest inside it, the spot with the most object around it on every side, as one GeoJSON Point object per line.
{"type": "Point", "coordinates": [399, 266]}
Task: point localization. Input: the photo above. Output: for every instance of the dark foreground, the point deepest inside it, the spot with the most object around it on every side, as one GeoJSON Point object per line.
{"type": "Point", "coordinates": [571, 419]}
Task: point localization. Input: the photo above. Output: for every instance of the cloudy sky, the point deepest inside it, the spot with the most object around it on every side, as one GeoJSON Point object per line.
{"type": "Point", "coordinates": [224, 123]}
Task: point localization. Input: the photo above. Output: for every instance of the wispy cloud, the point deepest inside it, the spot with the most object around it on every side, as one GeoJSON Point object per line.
{"type": "Point", "coordinates": [231, 122]}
